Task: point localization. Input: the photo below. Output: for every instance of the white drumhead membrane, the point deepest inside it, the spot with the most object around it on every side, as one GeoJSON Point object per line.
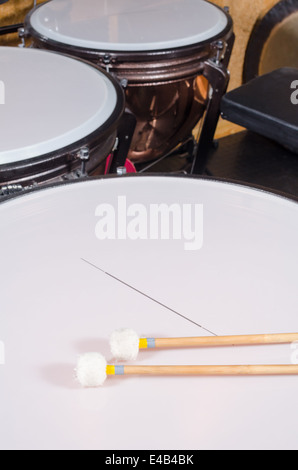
{"type": "Point", "coordinates": [130, 25]}
{"type": "Point", "coordinates": [51, 101]}
{"type": "Point", "coordinates": [57, 304]}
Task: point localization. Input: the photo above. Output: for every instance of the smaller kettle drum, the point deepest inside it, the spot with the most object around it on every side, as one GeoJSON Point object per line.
{"type": "Point", "coordinates": [59, 117]}
{"type": "Point", "coordinates": [156, 50]}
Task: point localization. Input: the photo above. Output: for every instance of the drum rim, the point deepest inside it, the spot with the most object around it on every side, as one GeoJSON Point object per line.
{"type": "Point", "coordinates": [94, 138]}
{"type": "Point", "coordinates": [131, 55]}
{"type": "Point", "coordinates": [222, 181]}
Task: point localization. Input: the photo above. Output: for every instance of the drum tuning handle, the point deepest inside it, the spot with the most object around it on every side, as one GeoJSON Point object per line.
{"type": "Point", "coordinates": [84, 156]}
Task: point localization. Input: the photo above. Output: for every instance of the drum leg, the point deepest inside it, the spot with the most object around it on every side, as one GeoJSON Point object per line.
{"type": "Point", "coordinates": [218, 76]}
{"type": "Point", "coordinates": [125, 134]}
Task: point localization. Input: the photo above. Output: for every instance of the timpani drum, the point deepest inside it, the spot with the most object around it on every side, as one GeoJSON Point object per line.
{"type": "Point", "coordinates": [79, 260]}
{"type": "Point", "coordinates": [59, 114]}
{"type": "Point", "coordinates": [157, 50]}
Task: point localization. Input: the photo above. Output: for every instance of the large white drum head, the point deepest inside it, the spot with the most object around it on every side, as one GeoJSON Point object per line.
{"type": "Point", "coordinates": [131, 25]}
{"type": "Point", "coordinates": [231, 271]}
{"type": "Point", "coordinates": [50, 102]}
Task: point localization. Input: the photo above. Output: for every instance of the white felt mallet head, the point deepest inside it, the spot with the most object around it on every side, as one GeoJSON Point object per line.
{"type": "Point", "coordinates": [91, 370]}
{"type": "Point", "coordinates": [125, 344]}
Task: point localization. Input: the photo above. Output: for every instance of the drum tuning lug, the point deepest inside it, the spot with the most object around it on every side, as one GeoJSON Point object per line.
{"type": "Point", "coordinates": [124, 83]}
{"type": "Point", "coordinates": [84, 156]}
{"type": "Point", "coordinates": [107, 62]}
{"type": "Point", "coordinates": [10, 189]}
{"type": "Point", "coordinates": [221, 47]}
{"type": "Point", "coordinates": [22, 35]}
{"type": "Point", "coordinates": [121, 170]}
{"type": "Point", "coordinates": [227, 9]}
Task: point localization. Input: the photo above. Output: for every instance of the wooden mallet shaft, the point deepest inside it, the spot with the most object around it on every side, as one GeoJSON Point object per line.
{"type": "Point", "coordinates": [92, 370]}
{"type": "Point", "coordinates": [219, 370]}
{"type": "Point", "coordinates": [213, 341]}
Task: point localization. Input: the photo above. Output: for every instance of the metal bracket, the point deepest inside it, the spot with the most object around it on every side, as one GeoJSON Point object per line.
{"type": "Point", "coordinates": [216, 72]}
{"type": "Point", "coordinates": [125, 134]}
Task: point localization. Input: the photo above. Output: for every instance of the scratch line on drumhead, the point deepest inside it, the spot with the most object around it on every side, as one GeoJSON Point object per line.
{"type": "Point", "coordinates": [147, 296]}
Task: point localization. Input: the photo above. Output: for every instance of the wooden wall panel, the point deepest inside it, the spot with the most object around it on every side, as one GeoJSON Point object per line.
{"type": "Point", "coordinates": [13, 12]}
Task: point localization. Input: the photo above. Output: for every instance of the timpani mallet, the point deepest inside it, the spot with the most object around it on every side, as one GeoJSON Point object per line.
{"type": "Point", "coordinates": [93, 370]}
{"type": "Point", "coordinates": [125, 344]}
